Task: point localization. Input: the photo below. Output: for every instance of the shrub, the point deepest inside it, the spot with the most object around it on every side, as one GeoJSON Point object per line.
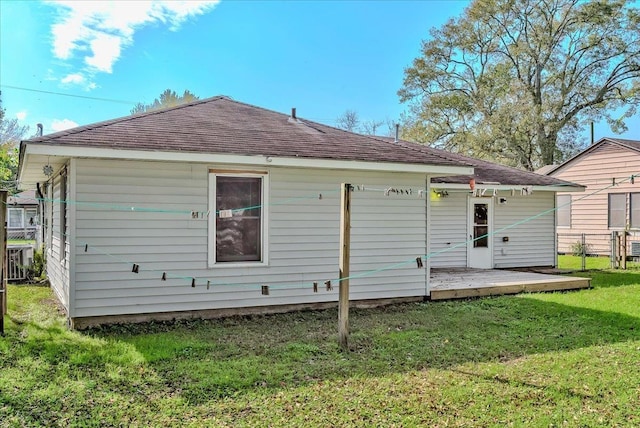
{"type": "Point", "coordinates": [37, 271]}
{"type": "Point", "coordinates": [578, 248]}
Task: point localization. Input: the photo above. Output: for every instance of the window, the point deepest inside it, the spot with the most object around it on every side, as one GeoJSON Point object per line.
{"type": "Point", "coordinates": [480, 225]}
{"type": "Point", "coordinates": [563, 209]}
{"type": "Point", "coordinates": [63, 216]}
{"type": "Point", "coordinates": [31, 217]}
{"type": "Point", "coordinates": [237, 230]}
{"type": "Point", "coordinates": [16, 218]}
{"type": "Point", "coordinates": [48, 215]}
{"type": "Point", "coordinates": [617, 210]}
{"type": "Point", "coordinates": [634, 210]}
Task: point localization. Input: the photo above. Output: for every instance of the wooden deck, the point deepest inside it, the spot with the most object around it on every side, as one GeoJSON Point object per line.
{"type": "Point", "coordinates": [461, 283]}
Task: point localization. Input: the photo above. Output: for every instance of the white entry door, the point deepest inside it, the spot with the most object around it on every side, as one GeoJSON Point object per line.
{"type": "Point", "coordinates": [480, 245]}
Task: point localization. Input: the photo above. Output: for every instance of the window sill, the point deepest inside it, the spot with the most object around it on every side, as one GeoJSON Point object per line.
{"type": "Point", "coordinates": [221, 265]}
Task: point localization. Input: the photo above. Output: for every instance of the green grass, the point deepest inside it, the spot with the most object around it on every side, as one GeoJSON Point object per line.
{"type": "Point", "coordinates": [561, 359]}
{"type": "Point", "coordinates": [21, 242]}
{"type": "Point", "coordinates": [591, 263]}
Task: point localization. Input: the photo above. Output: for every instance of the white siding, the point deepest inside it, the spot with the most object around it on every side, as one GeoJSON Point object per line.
{"type": "Point", "coordinates": [449, 230]}
{"type": "Point", "coordinates": [531, 243]}
{"type": "Point", "coordinates": [303, 239]}
{"type": "Point", "coordinates": [57, 265]}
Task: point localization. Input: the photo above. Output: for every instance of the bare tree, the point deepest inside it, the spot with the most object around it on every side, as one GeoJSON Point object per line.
{"type": "Point", "coordinates": [370, 127]}
{"type": "Point", "coordinates": [349, 121]}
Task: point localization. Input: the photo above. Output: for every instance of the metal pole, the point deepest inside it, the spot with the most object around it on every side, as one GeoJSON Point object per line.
{"type": "Point", "coordinates": [584, 252]}
{"type": "Point", "coordinates": [623, 250]}
{"type": "Point", "coordinates": [3, 258]}
{"type": "Point", "coordinates": [614, 257]}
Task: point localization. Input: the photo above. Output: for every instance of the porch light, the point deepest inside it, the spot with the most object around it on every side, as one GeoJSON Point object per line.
{"type": "Point", "coordinates": [438, 194]}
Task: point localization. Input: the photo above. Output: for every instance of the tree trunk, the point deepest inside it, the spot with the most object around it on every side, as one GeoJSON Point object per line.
{"type": "Point", "coordinates": [547, 144]}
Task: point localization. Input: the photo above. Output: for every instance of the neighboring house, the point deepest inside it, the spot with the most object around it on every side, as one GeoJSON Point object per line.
{"type": "Point", "coordinates": [22, 216]}
{"type": "Point", "coordinates": [613, 204]}
{"type": "Point", "coordinates": [191, 210]}
{"type": "Point", "coordinates": [23, 233]}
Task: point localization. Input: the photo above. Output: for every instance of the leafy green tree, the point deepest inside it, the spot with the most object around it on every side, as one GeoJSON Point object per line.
{"type": "Point", "coordinates": [167, 99]}
{"type": "Point", "coordinates": [11, 132]}
{"type": "Point", "coordinates": [516, 80]}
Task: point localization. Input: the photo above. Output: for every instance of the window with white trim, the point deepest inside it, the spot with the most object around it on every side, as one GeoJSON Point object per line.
{"type": "Point", "coordinates": [63, 216]}
{"type": "Point", "coordinates": [31, 217]}
{"type": "Point", "coordinates": [16, 218]}
{"type": "Point", "coordinates": [48, 207]}
{"type": "Point", "coordinates": [617, 210]}
{"type": "Point", "coordinates": [634, 210]}
{"type": "Point", "coordinates": [237, 218]}
{"type": "Point", "coordinates": [563, 209]}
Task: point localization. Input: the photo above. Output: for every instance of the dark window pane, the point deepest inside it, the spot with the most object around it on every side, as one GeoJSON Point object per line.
{"type": "Point", "coordinates": [31, 218]}
{"type": "Point", "coordinates": [617, 210]}
{"type": "Point", "coordinates": [479, 231]}
{"type": "Point", "coordinates": [238, 223]}
{"type": "Point", "coordinates": [481, 213]}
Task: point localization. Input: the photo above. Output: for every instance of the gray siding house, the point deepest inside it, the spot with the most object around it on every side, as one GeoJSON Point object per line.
{"type": "Point", "coordinates": [190, 211]}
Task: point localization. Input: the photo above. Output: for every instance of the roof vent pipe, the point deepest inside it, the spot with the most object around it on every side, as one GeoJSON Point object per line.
{"type": "Point", "coordinates": [397, 132]}
{"type": "Point", "coordinates": [293, 113]}
{"type": "Point", "coordinates": [39, 133]}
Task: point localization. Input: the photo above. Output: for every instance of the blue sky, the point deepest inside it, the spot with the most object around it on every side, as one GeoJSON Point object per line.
{"type": "Point", "coordinates": [321, 57]}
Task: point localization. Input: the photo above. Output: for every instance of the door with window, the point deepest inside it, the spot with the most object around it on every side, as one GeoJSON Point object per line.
{"type": "Point", "coordinates": [479, 246]}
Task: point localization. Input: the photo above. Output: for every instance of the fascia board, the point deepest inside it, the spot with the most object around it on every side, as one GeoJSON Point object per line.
{"type": "Point", "coordinates": [93, 152]}
{"type": "Point", "coordinates": [553, 188]}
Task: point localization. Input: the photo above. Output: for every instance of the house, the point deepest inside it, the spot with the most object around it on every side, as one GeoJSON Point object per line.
{"type": "Point", "coordinates": [23, 233]}
{"type": "Point", "coordinates": [608, 169]}
{"type": "Point", "coordinates": [219, 207]}
{"type": "Point", "coordinates": [22, 216]}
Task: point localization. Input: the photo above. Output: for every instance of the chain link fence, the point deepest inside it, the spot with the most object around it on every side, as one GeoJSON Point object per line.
{"type": "Point", "coordinates": [617, 247]}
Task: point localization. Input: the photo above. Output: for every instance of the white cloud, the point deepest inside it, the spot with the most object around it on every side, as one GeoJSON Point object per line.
{"type": "Point", "coordinates": [76, 78]}
{"type": "Point", "coordinates": [106, 51]}
{"type": "Point", "coordinates": [21, 115]}
{"type": "Point", "coordinates": [61, 125]}
{"type": "Point", "coordinates": [101, 30]}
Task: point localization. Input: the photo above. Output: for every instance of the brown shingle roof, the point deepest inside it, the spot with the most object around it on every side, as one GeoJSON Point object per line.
{"type": "Point", "coordinates": [221, 125]}
{"type": "Point", "coordinates": [486, 172]}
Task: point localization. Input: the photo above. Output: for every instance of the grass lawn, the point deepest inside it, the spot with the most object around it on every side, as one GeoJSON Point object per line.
{"type": "Point", "coordinates": [591, 263]}
{"type": "Point", "coordinates": [31, 242]}
{"type": "Point", "coordinates": [561, 359]}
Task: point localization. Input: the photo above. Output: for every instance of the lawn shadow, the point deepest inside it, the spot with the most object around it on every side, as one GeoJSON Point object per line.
{"type": "Point", "coordinates": [205, 360]}
{"type": "Point", "coordinates": [611, 278]}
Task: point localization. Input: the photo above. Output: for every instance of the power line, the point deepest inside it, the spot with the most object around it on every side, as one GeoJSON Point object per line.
{"type": "Point", "coordinates": [62, 94]}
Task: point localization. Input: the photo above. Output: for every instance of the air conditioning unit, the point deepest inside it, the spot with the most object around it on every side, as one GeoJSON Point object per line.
{"type": "Point", "coordinates": [635, 249]}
